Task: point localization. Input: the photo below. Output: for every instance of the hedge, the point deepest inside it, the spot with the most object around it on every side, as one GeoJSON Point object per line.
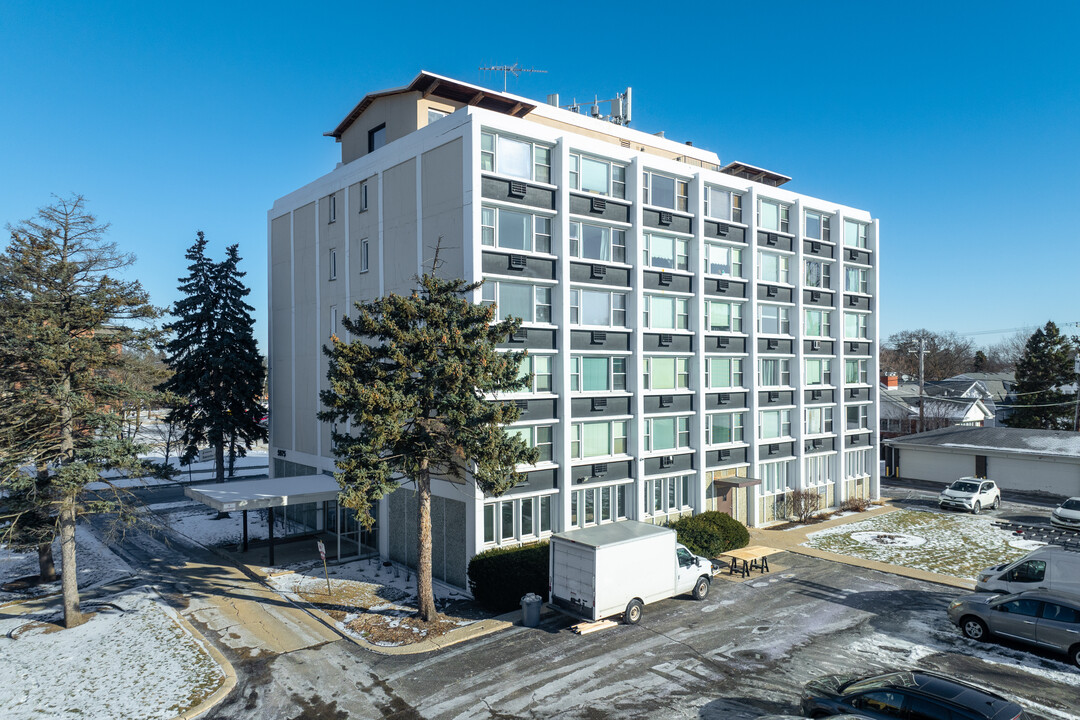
{"type": "Point", "coordinates": [500, 577]}
{"type": "Point", "coordinates": [711, 533]}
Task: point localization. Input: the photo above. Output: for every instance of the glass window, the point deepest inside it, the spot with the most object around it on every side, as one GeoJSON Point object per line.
{"type": "Point", "coordinates": [818, 323]}
{"type": "Point", "coordinates": [817, 226]}
{"type": "Point", "coordinates": [773, 215]}
{"type": "Point", "coordinates": [596, 242]}
{"type": "Point", "coordinates": [664, 191]}
{"type": "Point", "coordinates": [855, 371]}
{"type": "Point", "coordinates": [596, 438]}
{"type": "Point", "coordinates": [774, 319]}
{"type": "Point", "coordinates": [726, 427]}
{"type": "Point", "coordinates": [376, 138]}
{"type": "Point", "coordinates": [597, 176]}
{"type": "Point", "coordinates": [855, 326]}
{"type": "Point", "coordinates": [489, 523]}
{"type": "Point", "coordinates": [776, 476]}
{"type": "Point", "coordinates": [527, 505]}
{"type": "Point", "coordinates": [723, 316]}
{"type": "Point", "coordinates": [774, 372]}
{"type": "Point", "coordinates": [723, 260]}
{"type": "Point", "coordinates": [773, 267]}
{"type": "Point", "coordinates": [723, 204]}
{"type": "Point", "coordinates": [666, 313]}
{"type": "Point", "coordinates": [545, 514]}
{"type": "Point", "coordinates": [591, 307]}
{"type": "Point", "coordinates": [536, 368]}
{"type": "Point", "coordinates": [819, 420]}
{"type": "Point", "coordinates": [507, 523]}
{"type": "Point", "coordinates": [364, 267]}
{"type": "Point", "coordinates": [854, 234]}
{"type": "Point", "coordinates": [595, 375]}
{"type": "Point", "coordinates": [723, 372]}
{"type": "Point", "coordinates": [774, 424]}
{"type": "Point", "coordinates": [661, 251]}
{"type": "Point", "coordinates": [433, 115]}
{"type": "Point", "coordinates": [818, 371]}
{"type": "Point", "coordinates": [856, 417]}
{"type": "Point", "coordinates": [855, 279]}
{"type": "Point", "coordinates": [818, 274]}
{"type": "Point", "coordinates": [664, 373]}
{"type": "Point", "coordinates": [516, 158]}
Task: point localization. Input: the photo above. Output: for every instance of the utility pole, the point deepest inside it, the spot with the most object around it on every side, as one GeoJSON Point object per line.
{"type": "Point", "coordinates": [1076, 411]}
{"type": "Point", "coordinates": [922, 354]}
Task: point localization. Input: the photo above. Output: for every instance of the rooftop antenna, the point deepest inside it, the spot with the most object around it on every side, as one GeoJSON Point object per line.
{"type": "Point", "coordinates": [620, 108]}
{"type": "Point", "coordinates": [511, 70]}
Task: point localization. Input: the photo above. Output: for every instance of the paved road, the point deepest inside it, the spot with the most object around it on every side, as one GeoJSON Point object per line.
{"type": "Point", "coordinates": [746, 651]}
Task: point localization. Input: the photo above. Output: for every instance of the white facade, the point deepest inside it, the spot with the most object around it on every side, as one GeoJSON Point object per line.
{"type": "Point", "coordinates": [600, 236]}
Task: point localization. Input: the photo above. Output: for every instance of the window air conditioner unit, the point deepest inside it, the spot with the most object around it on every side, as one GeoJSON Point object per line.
{"type": "Point", "coordinates": [771, 239]}
{"type": "Point", "coordinates": [853, 392]}
{"type": "Point", "coordinates": [667, 461]}
{"type": "Point", "coordinates": [522, 405]}
{"type": "Point", "coordinates": [853, 255]}
{"type": "Point", "coordinates": [815, 296]}
{"type": "Point", "coordinates": [722, 342]}
{"type": "Point", "coordinates": [770, 291]}
{"type": "Point", "coordinates": [854, 347]}
{"type": "Point", "coordinates": [815, 247]}
{"type": "Point", "coordinates": [725, 454]}
{"type": "Point", "coordinates": [599, 403]}
{"type": "Point", "coordinates": [773, 396]}
{"type": "Point", "coordinates": [666, 278]}
{"type": "Point", "coordinates": [599, 337]}
{"type": "Point", "coordinates": [665, 218]}
{"type": "Point", "coordinates": [815, 344]}
{"type": "Point", "coordinates": [521, 334]}
{"type": "Point", "coordinates": [665, 340]}
{"type": "Point", "coordinates": [722, 229]}
{"type": "Point", "coordinates": [774, 449]}
{"type": "Point", "coordinates": [816, 444]}
{"type": "Point", "coordinates": [597, 271]}
{"type": "Point", "coordinates": [599, 469]}
{"type": "Point", "coordinates": [815, 394]}
{"type": "Point", "coordinates": [772, 344]}
{"type": "Point", "coordinates": [518, 262]}
{"type": "Point", "coordinates": [667, 400]}
{"type": "Point", "coordinates": [518, 189]}
{"type": "Point", "coordinates": [852, 300]}
{"type": "Point", "coordinates": [723, 398]}
{"type": "Point", "coordinates": [723, 284]}
{"type": "Point", "coordinates": [599, 205]}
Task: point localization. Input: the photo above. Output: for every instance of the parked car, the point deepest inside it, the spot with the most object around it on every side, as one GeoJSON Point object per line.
{"type": "Point", "coordinates": [905, 694]}
{"type": "Point", "coordinates": [1067, 514]}
{"type": "Point", "coordinates": [971, 494]}
{"type": "Point", "coordinates": [1036, 617]}
{"type": "Point", "coordinates": [1051, 567]}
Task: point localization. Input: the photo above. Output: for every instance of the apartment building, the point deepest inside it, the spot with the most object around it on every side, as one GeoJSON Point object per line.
{"type": "Point", "coordinates": [699, 336]}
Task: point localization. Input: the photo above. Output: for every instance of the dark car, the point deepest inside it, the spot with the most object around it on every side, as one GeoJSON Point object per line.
{"type": "Point", "coordinates": [1037, 617]}
{"type": "Point", "coordinates": [911, 694]}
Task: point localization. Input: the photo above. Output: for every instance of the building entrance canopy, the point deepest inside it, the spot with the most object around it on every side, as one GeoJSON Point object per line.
{"type": "Point", "coordinates": [262, 494]}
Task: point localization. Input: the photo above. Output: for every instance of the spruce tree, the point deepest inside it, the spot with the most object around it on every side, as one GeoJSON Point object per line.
{"type": "Point", "coordinates": [411, 395]}
{"type": "Point", "coordinates": [66, 323]}
{"type": "Point", "coordinates": [216, 364]}
{"type": "Point", "coordinates": [1042, 373]}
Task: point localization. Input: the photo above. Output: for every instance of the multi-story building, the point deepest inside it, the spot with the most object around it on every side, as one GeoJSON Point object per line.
{"type": "Point", "coordinates": [699, 337]}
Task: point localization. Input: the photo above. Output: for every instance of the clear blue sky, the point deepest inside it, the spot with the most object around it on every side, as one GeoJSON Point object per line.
{"type": "Point", "coordinates": [956, 124]}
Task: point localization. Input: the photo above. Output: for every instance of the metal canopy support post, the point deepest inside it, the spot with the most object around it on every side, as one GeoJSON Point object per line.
{"type": "Point", "coordinates": [337, 528]}
{"type": "Point", "coordinates": [245, 532]}
{"type": "Point", "coordinates": [270, 513]}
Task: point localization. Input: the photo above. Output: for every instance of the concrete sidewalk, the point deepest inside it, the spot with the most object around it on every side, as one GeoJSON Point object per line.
{"type": "Point", "coordinates": [792, 541]}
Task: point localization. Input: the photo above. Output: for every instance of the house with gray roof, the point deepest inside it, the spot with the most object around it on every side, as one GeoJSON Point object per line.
{"type": "Point", "coordinates": [1037, 461]}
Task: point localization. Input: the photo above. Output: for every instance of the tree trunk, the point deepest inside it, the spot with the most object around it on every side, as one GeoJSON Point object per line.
{"type": "Point", "coordinates": [46, 565]}
{"type": "Point", "coordinates": [425, 593]}
{"type": "Point", "coordinates": [219, 458]}
{"type": "Point", "coordinates": [72, 615]}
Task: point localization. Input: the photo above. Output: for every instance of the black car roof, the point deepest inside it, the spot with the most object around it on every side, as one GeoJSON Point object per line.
{"type": "Point", "coordinates": [966, 695]}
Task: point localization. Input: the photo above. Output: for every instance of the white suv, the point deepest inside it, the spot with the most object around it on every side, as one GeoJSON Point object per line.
{"type": "Point", "coordinates": [971, 494]}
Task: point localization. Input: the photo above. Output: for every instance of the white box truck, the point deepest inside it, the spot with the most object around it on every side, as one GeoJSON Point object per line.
{"type": "Point", "coordinates": [1049, 568]}
{"type": "Point", "coordinates": [601, 571]}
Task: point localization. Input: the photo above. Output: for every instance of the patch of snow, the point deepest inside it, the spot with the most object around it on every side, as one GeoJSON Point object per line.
{"type": "Point", "coordinates": [95, 565]}
{"type": "Point", "coordinates": [139, 663]}
{"type": "Point", "coordinates": [1028, 545]}
{"type": "Point", "coordinates": [890, 539]}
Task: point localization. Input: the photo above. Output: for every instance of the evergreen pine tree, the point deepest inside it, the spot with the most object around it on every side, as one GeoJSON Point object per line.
{"type": "Point", "coordinates": [65, 326]}
{"type": "Point", "coordinates": [413, 388]}
{"type": "Point", "coordinates": [216, 365]}
{"type": "Point", "coordinates": [1045, 368]}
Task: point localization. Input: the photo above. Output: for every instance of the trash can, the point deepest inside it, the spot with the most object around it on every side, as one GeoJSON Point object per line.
{"type": "Point", "coordinates": [530, 610]}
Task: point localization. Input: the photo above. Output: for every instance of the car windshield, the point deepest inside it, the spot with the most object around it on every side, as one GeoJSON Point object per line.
{"type": "Point", "coordinates": [963, 486]}
{"type": "Point", "coordinates": [1071, 504]}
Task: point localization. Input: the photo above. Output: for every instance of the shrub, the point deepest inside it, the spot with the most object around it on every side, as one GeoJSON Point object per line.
{"type": "Point", "coordinates": [805, 504]}
{"type": "Point", "coordinates": [855, 504]}
{"type": "Point", "coordinates": [500, 577]}
{"type": "Point", "coordinates": [711, 533]}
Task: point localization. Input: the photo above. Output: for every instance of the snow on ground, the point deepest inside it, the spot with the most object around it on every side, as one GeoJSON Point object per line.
{"type": "Point", "coordinates": [954, 544]}
{"type": "Point", "coordinates": [367, 599]}
{"type": "Point", "coordinates": [252, 465]}
{"type": "Point", "coordinates": [95, 565]}
{"type": "Point", "coordinates": [197, 522]}
{"type": "Point", "coordinates": [79, 673]}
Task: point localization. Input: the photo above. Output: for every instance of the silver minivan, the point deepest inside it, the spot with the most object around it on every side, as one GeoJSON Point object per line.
{"type": "Point", "coordinates": [1049, 568]}
{"type": "Point", "coordinates": [1036, 617]}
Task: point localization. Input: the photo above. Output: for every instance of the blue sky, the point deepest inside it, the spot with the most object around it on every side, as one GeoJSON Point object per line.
{"type": "Point", "coordinates": [957, 124]}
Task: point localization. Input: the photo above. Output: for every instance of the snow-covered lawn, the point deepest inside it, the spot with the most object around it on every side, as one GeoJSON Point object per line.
{"type": "Point", "coordinates": [953, 544]}
{"type": "Point", "coordinates": [136, 662]}
{"type": "Point", "coordinates": [96, 565]}
{"type": "Point", "coordinates": [197, 522]}
{"type": "Point", "coordinates": [370, 601]}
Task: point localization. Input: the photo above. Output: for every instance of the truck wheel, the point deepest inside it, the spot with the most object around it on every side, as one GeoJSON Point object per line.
{"type": "Point", "coordinates": [973, 628]}
{"type": "Point", "coordinates": [976, 508]}
{"type": "Point", "coordinates": [701, 589]}
{"type": "Point", "coordinates": [632, 615]}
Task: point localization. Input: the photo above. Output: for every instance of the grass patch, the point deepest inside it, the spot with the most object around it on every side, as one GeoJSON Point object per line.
{"type": "Point", "coordinates": [955, 544]}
